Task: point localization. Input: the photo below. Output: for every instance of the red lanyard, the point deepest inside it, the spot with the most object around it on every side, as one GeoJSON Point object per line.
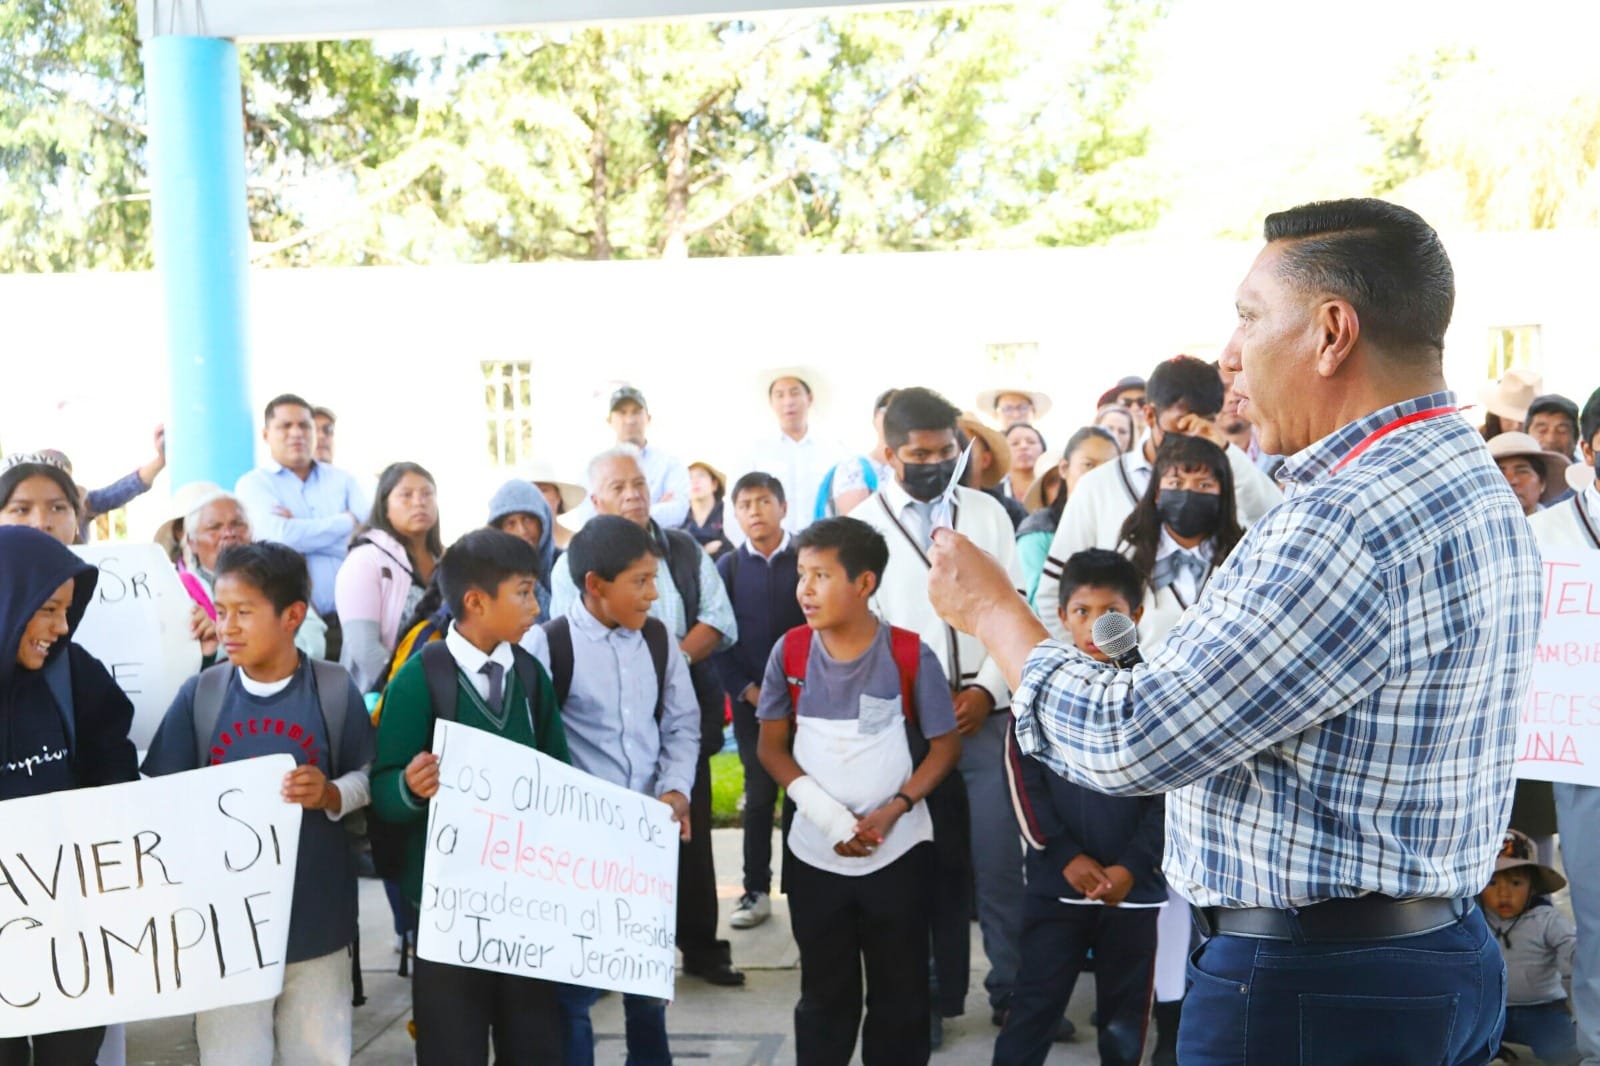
{"type": "Point", "coordinates": [1383, 431]}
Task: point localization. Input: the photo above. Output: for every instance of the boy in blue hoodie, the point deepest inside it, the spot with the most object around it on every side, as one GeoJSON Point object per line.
{"type": "Point", "coordinates": [63, 720]}
{"type": "Point", "coordinates": [1093, 867]}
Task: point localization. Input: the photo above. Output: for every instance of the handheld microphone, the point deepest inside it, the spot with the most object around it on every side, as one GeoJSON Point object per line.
{"type": "Point", "coordinates": [1117, 636]}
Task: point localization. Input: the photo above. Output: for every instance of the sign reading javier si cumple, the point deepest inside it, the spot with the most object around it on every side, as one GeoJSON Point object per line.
{"type": "Point", "coordinates": [159, 897]}
{"type": "Point", "coordinates": [537, 869]}
{"type": "Point", "coordinates": [1558, 737]}
{"type": "Point", "coordinates": [138, 626]}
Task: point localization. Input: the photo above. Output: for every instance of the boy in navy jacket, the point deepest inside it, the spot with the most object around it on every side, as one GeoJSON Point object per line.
{"type": "Point", "coordinates": [1093, 867]}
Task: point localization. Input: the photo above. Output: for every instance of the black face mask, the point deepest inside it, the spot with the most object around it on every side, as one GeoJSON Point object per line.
{"type": "Point", "coordinates": [927, 481]}
{"type": "Point", "coordinates": [1189, 514]}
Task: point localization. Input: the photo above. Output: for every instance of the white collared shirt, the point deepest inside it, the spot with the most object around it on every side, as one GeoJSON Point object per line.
{"type": "Point", "coordinates": [1184, 584]}
{"type": "Point", "coordinates": [470, 659]}
{"type": "Point", "coordinates": [782, 544]}
{"type": "Point", "coordinates": [800, 466]}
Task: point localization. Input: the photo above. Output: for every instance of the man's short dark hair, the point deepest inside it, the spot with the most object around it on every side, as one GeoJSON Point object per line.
{"type": "Point", "coordinates": [324, 412]}
{"type": "Point", "coordinates": [1589, 420]}
{"type": "Point", "coordinates": [882, 402]}
{"type": "Point", "coordinates": [861, 548]}
{"type": "Point", "coordinates": [1184, 379]}
{"type": "Point", "coordinates": [1381, 258]}
{"type": "Point", "coordinates": [277, 570]}
{"type": "Point", "coordinates": [918, 409]}
{"type": "Point", "coordinates": [287, 399]}
{"type": "Point", "coordinates": [758, 480]}
{"type": "Point", "coordinates": [606, 546]}
{"type": "Point", "coordinates": [482, 560]}
{"type": "Point", "coordinates": [1099, 568]}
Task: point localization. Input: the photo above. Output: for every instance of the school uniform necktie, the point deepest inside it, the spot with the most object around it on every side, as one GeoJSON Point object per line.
{"type": "Point", "coordinates": [496, 675]}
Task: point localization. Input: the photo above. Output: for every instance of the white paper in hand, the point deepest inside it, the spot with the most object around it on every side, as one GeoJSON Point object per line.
{"type": "Point", "coordinates": [944, 507]}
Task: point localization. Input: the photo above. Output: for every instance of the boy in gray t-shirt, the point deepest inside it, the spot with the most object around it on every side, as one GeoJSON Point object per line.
{"type": "Point", "coordinates": [857, 763]}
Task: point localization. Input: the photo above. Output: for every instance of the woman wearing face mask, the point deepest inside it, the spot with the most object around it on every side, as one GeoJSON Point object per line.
{"type": "Point", "coordinates": [1179, 534]}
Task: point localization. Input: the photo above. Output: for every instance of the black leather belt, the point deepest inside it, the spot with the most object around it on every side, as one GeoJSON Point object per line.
{"type": "Point", "coordinates": [1370, 917]}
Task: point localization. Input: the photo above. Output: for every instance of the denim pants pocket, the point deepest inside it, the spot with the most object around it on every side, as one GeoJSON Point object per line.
{"type": "Point", "coordinates": [1221, 1004]}
{"type": "Point", "coordinates": [1350, 1030]}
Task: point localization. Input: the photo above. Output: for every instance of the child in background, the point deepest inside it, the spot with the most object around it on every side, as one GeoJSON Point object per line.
{"type": "Point", "coordinates": [262, 592]}
{"type": "Point", "coordinates": [610, 676]}
{"type": "Point", "coordinates": [1093, 866]}
{"type": "Point", "coordinates": [835, 732]}
{"type": "Point", "coordinates": [1537, 941]}
{"type": "Point", "coordinates": [489, 579]}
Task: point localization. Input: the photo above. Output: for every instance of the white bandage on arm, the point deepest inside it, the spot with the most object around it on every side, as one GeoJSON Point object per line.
{"type": "Point", "coordinates": [822, 810]}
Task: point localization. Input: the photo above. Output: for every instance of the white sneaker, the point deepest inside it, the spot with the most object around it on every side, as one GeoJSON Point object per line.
{"type": "Point", "coordinates": [753, 909]}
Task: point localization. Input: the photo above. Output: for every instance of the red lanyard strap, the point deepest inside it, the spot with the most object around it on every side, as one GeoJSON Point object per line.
{"type": "Point", "coordinates": [1383, 431]}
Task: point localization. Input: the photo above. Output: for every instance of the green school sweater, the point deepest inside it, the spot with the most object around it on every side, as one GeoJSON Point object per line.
{"type": "Point", "coordinates": [406, 728]}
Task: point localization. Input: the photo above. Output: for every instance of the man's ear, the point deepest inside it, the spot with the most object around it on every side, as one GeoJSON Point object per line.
{"type": "Point", "coordinates": [867, 583]}
{"type": "Point", "coordinates": [295, 615]}
{"type": "Point", "coordinates": [1338, 329]}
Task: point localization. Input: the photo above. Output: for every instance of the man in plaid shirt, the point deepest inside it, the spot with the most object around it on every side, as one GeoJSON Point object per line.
{"type": "Point", "coordinates": [1336, 718]}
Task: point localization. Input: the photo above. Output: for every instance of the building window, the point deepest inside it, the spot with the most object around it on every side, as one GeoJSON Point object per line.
{"type": "Point", "coordinates": [1513, 347]}
{"type": "Point", "coordinates": [1019, 356]}
{"type": "Point", "coordinates": [508, 412]}
{"type": "Point", "coordinates": [113, 525]}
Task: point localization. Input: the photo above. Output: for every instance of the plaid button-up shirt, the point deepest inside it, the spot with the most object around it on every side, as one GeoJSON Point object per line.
{"type": "Point", "coordinates": [1337, 714]}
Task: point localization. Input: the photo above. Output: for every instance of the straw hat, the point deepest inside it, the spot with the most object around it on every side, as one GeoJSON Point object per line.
{"type": "Point", "coordinates": [973, 426]}
{"type": "Point", "coordinates": [1511, 396]}
{"type": "Point", "coordinates": [543, 472]}
{"type": "Point", "coordinates": [1046, 469]}
{"type": "Point", "coordinates": [811, 376]}
{"type": "Point", "coordinates": [185, 502]}
{"type": "Point", "coordinates": [989, 397]}
{"type": "Point", "coordinates": [1516, 851]}
{"type": "Point", "coordinates": [1520, 445]}
{"type": "Point", "coordinates": [721, 478]}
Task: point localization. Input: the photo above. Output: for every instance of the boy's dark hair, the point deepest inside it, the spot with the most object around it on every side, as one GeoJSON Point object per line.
{"type": "Point", "coordinates": [861, 548]}
{"type": "Point", "coordinates": [277, 570]}
{"type": "Point", "coordinates": [1589, 420]}
{"type": "Point", "coordinates": [1381, 258]}
{"type": "Point", "coordinates": [916, 409]}
{"type": "Point", "coordinates": [287, 399]}
{"type": "Point", "coordinates": [1099, 568]}
{"type": "Point", "coordinates": [1184, 379]}
{"type": "Point", "coordinates": [884, 399]}
{"type": "Point", "coordinates": [606, 546]}
{"type": "Point", "coordinates": [757, 480]}
{"type": "Point", "coordinates": [481, 560]}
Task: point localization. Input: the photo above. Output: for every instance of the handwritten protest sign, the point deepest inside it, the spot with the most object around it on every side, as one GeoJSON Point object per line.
{"type": "Point", "coordinates": [144, 900]}
{"type": "Point", "coordinates": [1558, 737]}
{"type": "Point", "coordinates": [138, 626]}
{"type": "Point", "coordinates": [536, 869]}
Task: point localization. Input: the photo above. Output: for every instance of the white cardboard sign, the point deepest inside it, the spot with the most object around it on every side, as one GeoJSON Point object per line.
{"type": "Point", "coordinates": [536, 869]}
{"type": "Point", "coordinates": [164, 896]}
{"type": "Point", "coordinates": [138, 626]}
{"type": "Point", "coordinates": [1558, 734]}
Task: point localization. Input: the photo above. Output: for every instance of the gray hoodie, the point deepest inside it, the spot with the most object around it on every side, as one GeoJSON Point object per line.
{"type": "Point", "coordinates": [1537, 945]}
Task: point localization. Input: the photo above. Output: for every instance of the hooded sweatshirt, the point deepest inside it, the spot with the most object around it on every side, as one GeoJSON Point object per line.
{"type": "Point", "coordinates": [46, 746]}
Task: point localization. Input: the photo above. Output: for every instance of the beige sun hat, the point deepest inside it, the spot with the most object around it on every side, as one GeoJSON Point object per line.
{"type": "Point", "coordinates": [1520, 445]}
{"type": "Point", "coordinates": [989, 397]}
{"type": "Point", "coordinates": [1511, 396]}
{"type": "Point", "coordinates": [543, 472]}
{"type": "Point", "coordinates": [811, 376]}
{"type": "Point", "coordinates": [1517, 850]}
{"type": "Point", "coordinates": [721, 478]}
{"type": "Point", "coordinates": [973, 426]}
{"type": "Point", "coordinates": [185, 502]}
{"type": "Point", "coordinates": [1046, 468]}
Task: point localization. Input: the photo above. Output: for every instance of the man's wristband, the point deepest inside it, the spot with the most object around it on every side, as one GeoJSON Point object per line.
{"type": "Point", "coordinates": [909, 802]}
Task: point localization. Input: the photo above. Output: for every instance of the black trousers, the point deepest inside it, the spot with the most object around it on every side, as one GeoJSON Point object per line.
{"type": "Point", "coordinates": [75, 1047]}
{"type": "Point", "coordinates": [760, 801]}
{"type": "Point", "coordinates": [1056, 937]}
{"type": "Point", "coordinates": [457, 1009]}
{"type": "Point", "coordinates": [840, 923]}
{"type": "Point", "coordinates": [697, 880]}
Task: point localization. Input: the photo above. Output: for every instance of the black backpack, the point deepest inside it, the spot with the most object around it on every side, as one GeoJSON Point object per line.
{"type": "Point", "coordinates": [559, 634]}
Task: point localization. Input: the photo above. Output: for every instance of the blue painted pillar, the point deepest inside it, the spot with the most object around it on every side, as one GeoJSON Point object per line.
{"type": "Point", "coordinates": [202, 254]}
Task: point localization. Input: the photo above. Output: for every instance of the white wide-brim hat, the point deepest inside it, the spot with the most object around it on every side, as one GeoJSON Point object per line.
{"type": "Point", "coordinates": [989, 397]}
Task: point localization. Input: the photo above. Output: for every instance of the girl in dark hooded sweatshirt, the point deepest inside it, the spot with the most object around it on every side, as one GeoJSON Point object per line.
{"type": "Point", "coordinates": [63, 721]}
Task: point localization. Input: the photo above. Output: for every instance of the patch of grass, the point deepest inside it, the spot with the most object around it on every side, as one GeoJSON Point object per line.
{"type": "Point", "coordinates": [727, 785]}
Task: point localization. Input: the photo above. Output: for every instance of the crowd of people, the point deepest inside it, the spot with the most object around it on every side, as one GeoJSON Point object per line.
{"type": "Point", "coordinates": [786, 594]}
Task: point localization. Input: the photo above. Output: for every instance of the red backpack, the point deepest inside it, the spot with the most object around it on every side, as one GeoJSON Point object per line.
{"type": "Point", "coordinates": [904, 645]}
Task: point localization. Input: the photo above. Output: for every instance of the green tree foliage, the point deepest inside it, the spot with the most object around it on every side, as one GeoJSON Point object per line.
{"type": "Point", "coordinates": [1469, 142]}
{"type": "Point", "coordinates": [869, 131]}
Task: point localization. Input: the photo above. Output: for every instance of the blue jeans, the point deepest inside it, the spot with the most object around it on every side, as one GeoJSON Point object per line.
{"type": "Point", "coordinates": [1436, 997]}
{"type": "Point", "coordinates": [1577, 807]}
{"type": "Point", "coordinates": [1547, 1028]}
{"type": "Point", "coordinates": [644, 1021]}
